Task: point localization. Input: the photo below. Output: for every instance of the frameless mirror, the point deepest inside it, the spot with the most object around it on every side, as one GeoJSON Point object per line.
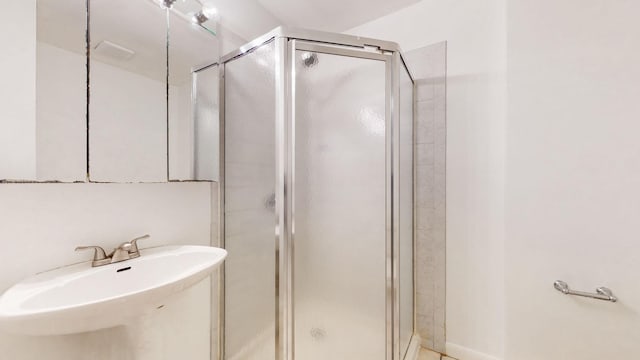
{"type": "Point", "coordinates": [43, 91]}
{"type": "Point", "coordinates": [110, 91]}
{"type": "Point", "coordinates": [146, 122]}
{"type": "Point", "coordinates": [193, 92]}
{"type": "Point", "coordinates": [128, 92]}
{"type": "Point", "coordinates": [61, 90]}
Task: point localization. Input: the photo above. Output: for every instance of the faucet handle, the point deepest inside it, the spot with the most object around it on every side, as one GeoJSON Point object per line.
{"type": "Point", "coordinates": [121, 253]}
{"type": "Point", "coordinates": [125, 246]}
{"type": "Point", "coordinates": [134, 251]}
{"type": "Point", "coordinates": [99, 255]}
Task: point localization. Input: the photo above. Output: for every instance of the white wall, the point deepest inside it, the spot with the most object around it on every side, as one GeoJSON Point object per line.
{"type": "Point", "coordinates": [229, 40]}
{"type": "Point", "coordinates": [569, 178]}
{"type": "Point", "coordinates": [61, 109]}
{"type": "Point", "coordinates": [127, 126]}
{"type": "Point", "coordinates": [476, 40]}
{"type": "Point", "coordinates": [42, 224]}
{"type": "Point", "coordinates": [181, 132]}
{"type": "Point", "coordinates": [18, 90]}
{"type": "Point", "coordinates": [140, 132]}
{"type": "Point", "coordinates": [573, 171]}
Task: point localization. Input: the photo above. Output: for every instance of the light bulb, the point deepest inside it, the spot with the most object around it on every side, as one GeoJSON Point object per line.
{"type": "Point", "coordinates": [199, 18]}
{"type": "Point", "coordinates": [210, 12]}
{"type": "Point", "coordinates": [168, 3]}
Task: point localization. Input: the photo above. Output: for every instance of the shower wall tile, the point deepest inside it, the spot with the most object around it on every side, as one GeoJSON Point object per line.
{"type": "Point", "coordinates": [425, 127]}
{"type": "Point", "coordinates": [425, 89]}
{"type": "Point", "coordinates": [424, 154]}
{"type": "Point", "coordinates": [428, 67]}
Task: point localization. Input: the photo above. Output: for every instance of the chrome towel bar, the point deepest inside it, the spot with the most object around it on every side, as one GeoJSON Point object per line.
{"type": "Point", "coordinates": [602, 293]}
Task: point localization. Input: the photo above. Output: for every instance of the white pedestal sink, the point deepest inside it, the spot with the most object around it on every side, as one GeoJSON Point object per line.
{"type": "Point", "coordinates": [80, 298]}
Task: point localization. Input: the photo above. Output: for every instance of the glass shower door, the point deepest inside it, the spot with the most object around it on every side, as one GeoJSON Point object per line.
{"type": "Point", "coordinates": [405, 215]}
{"type": "Point", "coordinates": [249, 214]}
{"type": "Point", "coordinates": [339, 203]}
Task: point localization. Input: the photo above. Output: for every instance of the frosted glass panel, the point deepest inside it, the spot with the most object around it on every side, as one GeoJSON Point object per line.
{"type": "Point", "coordinates": [405, 225]}
{"type": "Point", "coordinates": [249, 206]}
{"type": "Point", "coordinates": [206, 123]}
{"type": "Point", "coordinates": [339, 243]}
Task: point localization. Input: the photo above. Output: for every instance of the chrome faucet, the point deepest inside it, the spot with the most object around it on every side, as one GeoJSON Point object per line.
{"type": "Point", "coordinates": [125, 251]}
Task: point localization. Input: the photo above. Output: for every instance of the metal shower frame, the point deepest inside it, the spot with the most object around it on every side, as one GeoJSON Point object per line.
{"type": "Point", "coordinates": [287, 41]}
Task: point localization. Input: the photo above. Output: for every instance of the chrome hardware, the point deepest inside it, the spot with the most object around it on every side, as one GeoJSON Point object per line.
{"type": "Point", "coordinates": [602, 293]}
{"type": "Point", "coordinates": [168, 3]}
{"type": "Point", "coordinates": [99, 256]}
{"type": "Point", "coordinates": [121, 253]}
{"type": "Point", "coordinates": [125, 251]}
{"type": "Point", "coordinates": [134, 252]}
{"type": "Point", "coordinates": [270, 202]}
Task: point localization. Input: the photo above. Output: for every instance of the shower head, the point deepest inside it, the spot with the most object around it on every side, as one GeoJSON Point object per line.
{"type": "Point", "coordinates": [309, 59]}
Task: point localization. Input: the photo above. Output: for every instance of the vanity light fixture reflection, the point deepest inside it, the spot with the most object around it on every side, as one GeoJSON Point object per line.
{"type": "Point", "coordinates": [168, 3]}
{"type": "Point", "coordinates": [207, 13]}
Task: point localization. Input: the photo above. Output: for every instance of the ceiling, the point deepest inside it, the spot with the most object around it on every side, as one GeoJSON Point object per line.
{"type": "Point", "coordinates": [141, 27]}
{"type": "Point", "coordinates": [138, 26]}
{"type": "Point", "coordinates": [251, 18]}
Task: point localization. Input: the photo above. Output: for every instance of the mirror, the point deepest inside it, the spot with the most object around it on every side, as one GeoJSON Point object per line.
{"type": "Point", "coordinates": [128, 92]}
{"type": "Point", "coordinates": [142, 114]}
{"type": "Point", "coordinates": [61, 91]}
{"type": "Point", "coordinates": [146, 110]}
{"type": "Point", "coordinates": [207, 123]}
{"type": "Point", "coordinates": [43, 92]}
{"type": "Point", "coordinates": [193, 92]}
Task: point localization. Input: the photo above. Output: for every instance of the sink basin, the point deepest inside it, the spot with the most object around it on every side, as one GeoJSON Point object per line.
{"type": "Point", "coordinates": [80, 298]}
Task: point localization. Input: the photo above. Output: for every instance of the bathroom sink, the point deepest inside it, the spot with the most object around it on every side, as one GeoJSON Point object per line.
{"type": "Point", "coordinates": [79, 298]}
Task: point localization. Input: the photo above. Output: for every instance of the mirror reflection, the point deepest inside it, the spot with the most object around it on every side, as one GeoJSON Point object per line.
{"type": "Point", "coordinates": [131, 96]}
{"type": "Point", "coordinates": [193, 92]}
{"type": "Point", "coordinates": [146, 122]}
{"type": "Point", "coordinates": [128, 95]}
{"type": "Point", "coordinates": [61, 80]}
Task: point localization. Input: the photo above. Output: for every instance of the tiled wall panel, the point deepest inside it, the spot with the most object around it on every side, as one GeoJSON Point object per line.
{"type": "Point", "coordinates": [428, 67]}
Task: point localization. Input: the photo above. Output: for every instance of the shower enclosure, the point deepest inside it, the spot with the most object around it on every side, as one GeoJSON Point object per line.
{"type": "Point", "coordinates": [316, 199]}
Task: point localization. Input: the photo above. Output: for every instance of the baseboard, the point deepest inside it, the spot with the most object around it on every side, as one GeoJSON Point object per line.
{"type": "Point", "coordinates": [463, 353]}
